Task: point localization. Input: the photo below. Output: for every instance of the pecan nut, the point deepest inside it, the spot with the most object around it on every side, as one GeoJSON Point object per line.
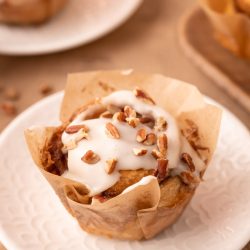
{"type": "Point", "coordinates": [110, 166]}
{"type": "Point", "coordinates": [106, 114]}
{"type": "Point", "coordinates": [146, 119]}
{"type": "Point", "coordinates": [9, 108]}
{"type": "Point", "coordinates": [189, 178]}
{"type": "Point", "coordinates": [161, 169]}
{"type": "Point", "coordinates": [156, 154]}
{"type": "Point", "coordinates": [150, 139]}
{"type": "Point", "coordinates": [90, 157]}
{"type": "Point", "coordinates": [129, 112]}
{"type": "Point", "coordinates": [162, 143]}
{"type": "Point", "coordinates": [160, 124]}
{"type": "Point", "coordinates": [75, 128]}
{"type": "Point", "coordinates": [119, 116]}
{"type": "Point", "coordinates": [140, 151]}
{"type": "Point", "coordinates": [141, 135]}
{"type": "Point", "coordinates": [112, 131]}
{"type": "Point", "coordinates": [139, 93]}
{"type": "Point", "coordinates": [186, 158]}
{"type": "Point", "coordinates": [133, 122]}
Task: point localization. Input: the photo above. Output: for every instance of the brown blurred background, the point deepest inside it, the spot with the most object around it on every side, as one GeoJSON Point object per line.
{"type": "Point", "coordinates": [147, 42]}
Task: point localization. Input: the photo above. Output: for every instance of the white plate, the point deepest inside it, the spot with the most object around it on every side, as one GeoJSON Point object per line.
{"type": "Point", "coordinates": [32, 217]}
{"type": "Point", "coordinates": [80, 22]}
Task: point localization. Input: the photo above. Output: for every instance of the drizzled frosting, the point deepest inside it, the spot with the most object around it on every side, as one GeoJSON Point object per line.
{"type": "Point", "coordinates": [94, 176]}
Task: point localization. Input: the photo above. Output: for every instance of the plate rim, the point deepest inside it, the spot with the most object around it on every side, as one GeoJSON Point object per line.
{"type": "Point", "coordinates": [5, 239]}
{"type": "Point", "coordinates": [134, 6]}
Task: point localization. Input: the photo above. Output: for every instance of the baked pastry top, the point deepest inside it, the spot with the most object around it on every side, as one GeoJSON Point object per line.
{"type": "Point", "coordinates": [122, 165]}
{"type": "Point", "coordinates": [121, 141]}
{"type": "Point", "coordinates": [243, 6]}
{"type": "Point", "coordinates": [29, 11]}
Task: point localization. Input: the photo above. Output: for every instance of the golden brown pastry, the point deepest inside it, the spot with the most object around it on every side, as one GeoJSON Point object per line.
{"type": "Point", "coordinates": [123, 165]}
{"type": "Point", "coordinates": [231, 24]}
{"type": "Point", "coordinates": [29, 11]}
{"type": "Point", "coordinates": [243, 5]}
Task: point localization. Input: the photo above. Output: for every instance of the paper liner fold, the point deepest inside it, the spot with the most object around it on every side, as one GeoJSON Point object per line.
{"type": "Point", "coordinates": [147, 209]}
{"type": "Point", "coordinates": [231, 27]}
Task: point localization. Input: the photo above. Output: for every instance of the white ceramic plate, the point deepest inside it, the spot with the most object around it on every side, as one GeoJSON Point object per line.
{"type": "Point", "coordinates": [80, 22]}
{"type": "Point", "coordinates": [32, 217]}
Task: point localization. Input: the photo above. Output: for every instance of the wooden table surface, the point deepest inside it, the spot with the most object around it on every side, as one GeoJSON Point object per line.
{"type": "Point", "coordinates": [147, 42]}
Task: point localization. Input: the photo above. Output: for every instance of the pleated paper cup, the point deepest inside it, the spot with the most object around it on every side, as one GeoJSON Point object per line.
{"type": "Point", "coordinates": [231, 26]}
{"type": "Point", "coordinates": [147, 209]}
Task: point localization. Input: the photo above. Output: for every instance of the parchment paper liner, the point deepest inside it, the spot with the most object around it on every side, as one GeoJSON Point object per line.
{"type": "Point", "coordinates": [231, 27]}
{"type": "Point", "coordinates": [147, 209]}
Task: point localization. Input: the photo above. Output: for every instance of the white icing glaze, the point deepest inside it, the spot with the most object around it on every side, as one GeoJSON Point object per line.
{"type": "Point", "coordinates": [94, 175]}
{"type": "Point", "coordinates": [144, 181]}
{"type": "Point", "coordinates": [186, 148]}
{"type": "Point", "coordinates": [125, 97]}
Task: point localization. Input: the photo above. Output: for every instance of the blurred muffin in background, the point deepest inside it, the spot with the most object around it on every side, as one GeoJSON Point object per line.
{"type": "Point", "coordinates": [231, 24]}
{"type": "Point", "coordinates": [243, 5]}
{"type": "Point", "coordinates": [29, 11]}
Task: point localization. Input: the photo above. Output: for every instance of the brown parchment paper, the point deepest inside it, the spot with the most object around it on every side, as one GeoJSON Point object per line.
{"type": "Point", "coordinates": [147, 209]}
{"type": "Point", "coordinates": [231, 27]}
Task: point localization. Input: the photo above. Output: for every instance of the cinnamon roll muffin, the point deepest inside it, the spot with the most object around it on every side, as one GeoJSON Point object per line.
{"type": "Point", "coordinates": [123, 165]}
{"type": "Point", "coordinates": [29, 11]}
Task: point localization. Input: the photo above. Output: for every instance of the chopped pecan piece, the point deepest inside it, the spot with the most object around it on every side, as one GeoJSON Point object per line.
{"type": "Point", "coordinates": [191, 132]}
{"type": "Point", "coordinates": [90, 157]}
{"type": "Point", "coordinates": [189, 178]}
{"type": "Point", "coordinates": [105, 86]}
{"type": "Point", "coordinates": [11, 94]}
{"type": "Point", "coordinates": [110, 167]}
{"type": "Point", "coordinates": [146, 119]}
{"type": "Point", "coordinates": [186, 158]}
{"type": "Point", "coordinates": [192, 135]}
{"type": "Point", "coordinates": [133, 122]}
{"type": "Point", "coordinates": [140, 151]}
{"type": "Point", "coordinates": [75, 128]}
{"type": "Point", "coordinates": [156, 154]}
{"type": "Point", "coordinates": [129, 112]}
{"type": "Point", "coordinates": [106, 114]}
{"type": "Point", "coordinates": [162, 143]}
{"type": "Point", "coordinates": [160, 124]}
{"type": "Point", "coordinates": [141, 135]}
{"type": "Point", "coordinates": [81, 134]}
{"type": "Point", "coordinates": [112, 131]}
{"type": "Point", "coordinates": [45, 89]}
{"type": "Point", "coordinates": [161, 169]}
{"type": "Point", "coordinates": [150, 139]}
{"type": "Point", "coordinates": [119, 116]}
{"type": "Point", "coordinates": [139, 93]}
{"type": "Point", "coordinates": [9, 108]}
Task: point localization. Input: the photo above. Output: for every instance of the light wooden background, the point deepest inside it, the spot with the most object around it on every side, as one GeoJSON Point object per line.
{"type": "Point", "coordinates": [147, 42]}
